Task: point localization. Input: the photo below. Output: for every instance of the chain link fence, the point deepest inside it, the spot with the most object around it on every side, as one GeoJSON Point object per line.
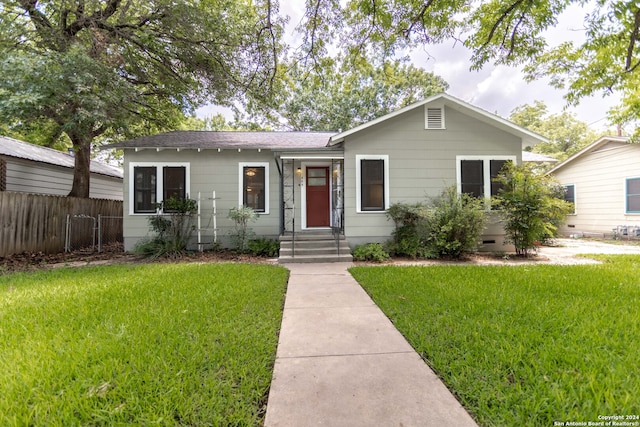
{"type": "Point", "coordinates": [85, 233]}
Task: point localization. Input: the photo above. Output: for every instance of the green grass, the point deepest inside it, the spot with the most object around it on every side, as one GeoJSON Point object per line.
{"type": "Point", "coordinates": [168, 344]}
{"type": "Point", "coordinates": [524, 345]}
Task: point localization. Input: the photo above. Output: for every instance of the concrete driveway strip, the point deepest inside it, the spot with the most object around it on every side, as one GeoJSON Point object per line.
{"type": "Point", "coordinates": [341, 362]}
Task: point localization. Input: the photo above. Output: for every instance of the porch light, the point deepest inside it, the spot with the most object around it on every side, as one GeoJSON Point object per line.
{"type": "Point", "coordinates": [251, 172]}
{"type": "Point", "coordinates": [299, 171]}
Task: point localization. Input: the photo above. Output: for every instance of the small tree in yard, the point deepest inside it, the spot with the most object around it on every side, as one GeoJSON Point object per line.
{"type": "Point", "coordinates": [531, 206]}
{"type": "Point", "coordinates": [242, 216]}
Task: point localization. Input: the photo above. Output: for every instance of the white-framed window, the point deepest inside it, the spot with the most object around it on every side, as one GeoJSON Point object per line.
{"type": "Point", "coordinates": [475, 174]}
{"type": "Point", "coordinates": [372, 183]}
{"type": "Point", "coordinates": [253, 179]}
{"type": "Point", "coordinates": [151, 183]}
{"type": "Point", "coordinates": [570, 196]}
{"type": "Point", "coordinates": [632, 195]}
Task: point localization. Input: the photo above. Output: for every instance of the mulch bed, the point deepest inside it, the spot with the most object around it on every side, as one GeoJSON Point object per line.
{"type": "Point", "coordinates": [112, 254]}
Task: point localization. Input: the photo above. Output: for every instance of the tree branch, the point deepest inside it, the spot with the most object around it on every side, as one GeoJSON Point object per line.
{"type": "Point", "coordinates": [500, 20]}
{"type": "Point", "coordinates": [419, 17]}
{"type": "Point", "coordinates": [632, 41]}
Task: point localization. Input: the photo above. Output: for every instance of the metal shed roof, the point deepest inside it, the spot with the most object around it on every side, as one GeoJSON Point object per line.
{"type": "Point", "coordinates": [24, 150]}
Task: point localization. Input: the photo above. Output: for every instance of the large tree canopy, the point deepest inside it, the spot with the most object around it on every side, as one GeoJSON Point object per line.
{"type": "Point", "coordinates": [508, 32]}
{"type": "Point", "coordinates": [339, 95]}
{"type": "Point", "coordinates": [567, 135]}
{"type": "Point", "coordinates": [88, 68]}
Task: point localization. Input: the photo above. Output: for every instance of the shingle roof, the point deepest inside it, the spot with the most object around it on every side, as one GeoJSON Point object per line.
{"type": "Point", "coordinates": [229, 139]}
{"type": "Point", "coordinates": [24, 150]}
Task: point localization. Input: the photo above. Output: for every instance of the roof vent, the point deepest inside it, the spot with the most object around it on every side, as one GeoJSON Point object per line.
{"type": "Point", "coordinates": [71, 152]}
{"type": "Point", "coordinates": [435, 118]}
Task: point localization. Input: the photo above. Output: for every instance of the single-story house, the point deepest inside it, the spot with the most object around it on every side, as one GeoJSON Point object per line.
{"type": "Point", "coordinates": [29, 168]}
{"type": "Point", "coordinates": [603, 183]}
{"type": "Point", "coordinates": [306, 181]}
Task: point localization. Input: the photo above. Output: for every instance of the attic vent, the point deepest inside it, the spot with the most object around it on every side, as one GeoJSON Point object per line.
{"type": "Point", "coordinates": [435, 118]}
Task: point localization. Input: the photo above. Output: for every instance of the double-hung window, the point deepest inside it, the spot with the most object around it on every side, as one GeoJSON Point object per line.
{"type": "Point", "coordinates": [254, 186]}
{"type": "Point", "coordinates": [476, 174]}
{"type": "Point", "coordinates": [570, 196]}
{"type": "Point", "coordinates": [152, 183]}
{"type": "Point", "coordinates": [372, 183]}
{"type": "Point", "coordinates": [632, 195]}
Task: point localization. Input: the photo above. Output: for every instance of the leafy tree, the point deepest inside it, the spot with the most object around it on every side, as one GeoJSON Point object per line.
{"type": "Point", "coordinates": [497, 31]}
{"type": "Point", "coordinates": [531, 205]}
{"type": "Point", "coordinates": [338, 95]}
{"type": "Point", "coordinates": [567, 135]}
{"type": "Point", "coordinates": [93, 68]}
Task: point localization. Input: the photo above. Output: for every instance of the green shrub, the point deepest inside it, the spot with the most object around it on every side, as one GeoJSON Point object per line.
{"type": "Point", "coordinates": [370, 252]}
{"type": "Point", "coordinates": [408, 235]}
{"type": "Point", "coordinates": [173, 228]}
{"type": "Point", "coordinates": [454, 224]}
{"type": "Point", "coordinates": [448, 225]}
{"type": "Point", "coordinates": [263, 247]}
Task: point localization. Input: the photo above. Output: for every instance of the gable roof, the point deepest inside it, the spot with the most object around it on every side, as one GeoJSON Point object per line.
{"type": "Point", "coordinates": [590, 148]}
{"type": "Point", "coordinates": [24, 150]}
{"type": "Point", "coordinates": [229, 139]}
{"type": "Point", "coordinates": [528, 138]}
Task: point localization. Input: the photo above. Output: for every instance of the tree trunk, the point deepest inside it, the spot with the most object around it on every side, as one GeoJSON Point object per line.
{"type": "Point", "coordinates": [81, 171]}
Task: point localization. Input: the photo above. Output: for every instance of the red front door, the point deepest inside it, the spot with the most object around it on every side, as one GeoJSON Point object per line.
{"type": "Point", "coordinates": [318, 196]}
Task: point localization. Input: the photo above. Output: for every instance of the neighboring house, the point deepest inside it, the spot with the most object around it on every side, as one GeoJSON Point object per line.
{"type": "Point", "coordinates": [302, 181]}
{"type": "Point", "coordinates": [29, 168]}
{"type": "Point", "coordinates": [603, 182]}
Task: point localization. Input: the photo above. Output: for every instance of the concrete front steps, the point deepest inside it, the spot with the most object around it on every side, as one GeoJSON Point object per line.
{"type": "Point", "coordinates": [313, 246]}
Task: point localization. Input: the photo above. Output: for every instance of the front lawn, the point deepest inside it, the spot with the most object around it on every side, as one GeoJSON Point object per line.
{"type": "Point", "coordinates": [525, 345]}
{"type": "Point", "coordinates": [168, 344]}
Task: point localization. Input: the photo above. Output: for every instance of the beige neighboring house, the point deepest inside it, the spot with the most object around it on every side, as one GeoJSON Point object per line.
{"type": "Point", "coordinates": [603, 182]}
{"type": "Point", "coordinates": [29, 168]}
{"type": "Point", "coordinates": [303, 182]}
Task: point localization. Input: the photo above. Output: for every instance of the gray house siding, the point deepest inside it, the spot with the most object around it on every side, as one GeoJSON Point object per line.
{"type": "Point", "coordinates": [422, 162]}
{"type": "Point", "coordinates": [599, 178]}
{"type": "Point", "coordinates": [26, 176]}
{"type": "Point", "coordinates": [209, 170]}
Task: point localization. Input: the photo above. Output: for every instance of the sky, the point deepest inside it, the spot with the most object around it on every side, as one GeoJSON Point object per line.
{"type": "Point", "coordinates": [497, 89]}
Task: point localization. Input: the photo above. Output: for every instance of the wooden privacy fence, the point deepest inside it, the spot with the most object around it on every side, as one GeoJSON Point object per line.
{"type": "Point", "coordinates": [37, 223]}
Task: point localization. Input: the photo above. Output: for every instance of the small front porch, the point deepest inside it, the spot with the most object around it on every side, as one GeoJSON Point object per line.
{"type": "Point", "coordinates": [312, 206]}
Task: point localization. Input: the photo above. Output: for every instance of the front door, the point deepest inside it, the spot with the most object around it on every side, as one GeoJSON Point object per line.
{"type": "Point", "coordinates": [318, 196]}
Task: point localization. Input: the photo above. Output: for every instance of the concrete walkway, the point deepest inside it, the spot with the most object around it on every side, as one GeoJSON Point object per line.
{"type": "Point", "coordinates": [341, 362]}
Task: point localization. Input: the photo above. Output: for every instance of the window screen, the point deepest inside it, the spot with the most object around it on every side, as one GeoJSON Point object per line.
{"type": "Point", "coordinates": [144, 189]}
{"type": "Point", "coordinates": [174, 182]}
{"type": "Point", "coordinates": [372, 185]}
{"type": "Point", "coordinates": [496, 166]}
{"type": "Point", "coordinates": [472, 177]}
{"type": "Point", "coordinates": [633, 195]}
{"type": "Point", "coordinates": [253, 194]}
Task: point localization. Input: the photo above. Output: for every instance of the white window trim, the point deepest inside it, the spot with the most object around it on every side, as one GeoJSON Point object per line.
{"type": "Point", "coordinates": [385, 159]}
{"type": "Point", "coordinates": [486, 172]}
{"type": "Point", "coordinates": [267, 189]}
{"type": "Point", "coordinates": [575, 197]}
{"type": "Point", "coordinates": [626, 196]}
{"type": "Point", "coordinates": [159, 181]}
